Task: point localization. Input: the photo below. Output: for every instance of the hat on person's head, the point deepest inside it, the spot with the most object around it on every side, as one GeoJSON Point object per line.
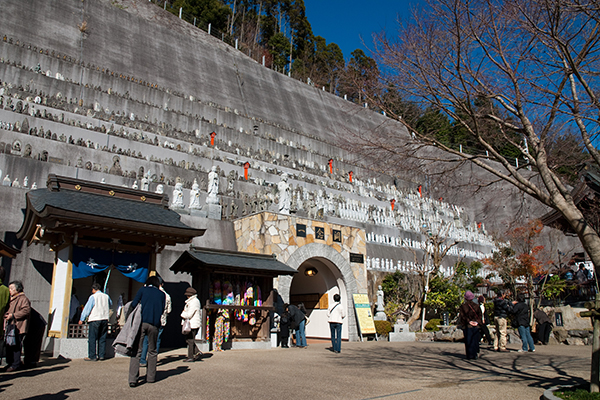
{"type": "Point", "coordinates": [469, 295]}
{"type": "Point", "coordinates": [190, 291]}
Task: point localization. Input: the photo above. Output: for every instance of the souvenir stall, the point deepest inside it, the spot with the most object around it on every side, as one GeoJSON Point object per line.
{"type": "Point", "coordinates": [235, 290]}
{"type": "Point", "coordinates": [100, 233]}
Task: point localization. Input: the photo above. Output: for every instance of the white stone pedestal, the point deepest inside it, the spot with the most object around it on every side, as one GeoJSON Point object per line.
{"type": "Point", "coordinates": [401, 333]}
{"type": "Point", "coordinates": [380, 316]}
{"type": "Point", "coordinates": [213, 211]}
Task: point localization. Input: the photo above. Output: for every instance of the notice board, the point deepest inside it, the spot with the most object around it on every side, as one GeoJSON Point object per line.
{"type": "Point", "coordinates": [363, 314]}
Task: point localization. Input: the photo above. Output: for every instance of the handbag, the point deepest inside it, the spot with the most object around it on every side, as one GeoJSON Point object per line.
{"type": "Point", "coordinates": [10, 337]}
{"type": "Point", "coordinates": [186, 327]}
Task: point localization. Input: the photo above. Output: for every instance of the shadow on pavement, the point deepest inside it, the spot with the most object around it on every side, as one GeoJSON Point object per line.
{"type": "Point", "coordinates": [23, 373]}
{"type": "Point", "coordinates": [531, 369]}
{"type": "Point", "coordinates": [170, 359]}
{"type": "Point", "coordinates": [162, 374]}
{"type": "Point", "coordinates": [63, 394]}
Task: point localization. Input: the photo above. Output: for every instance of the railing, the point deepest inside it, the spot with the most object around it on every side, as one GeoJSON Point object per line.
{"type": "Point", "coordinates": [77, 331]}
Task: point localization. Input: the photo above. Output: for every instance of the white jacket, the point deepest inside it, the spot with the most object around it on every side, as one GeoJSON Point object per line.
{"type": "Point", "coordinates": [192, 312]}
{"type": "Point", "coordinates": [336, 313]}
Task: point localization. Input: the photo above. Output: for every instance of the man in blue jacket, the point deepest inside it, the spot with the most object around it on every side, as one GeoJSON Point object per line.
{"type": "Point", "coordinates": [153, 301]}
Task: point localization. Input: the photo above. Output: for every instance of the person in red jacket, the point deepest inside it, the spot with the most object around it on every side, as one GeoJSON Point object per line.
{"type": "Point", "coordinates": [19, 310]}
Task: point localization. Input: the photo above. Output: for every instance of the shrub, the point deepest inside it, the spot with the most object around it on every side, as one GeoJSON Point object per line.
{"type": "Point", "coordinates": [432, 325]}
{"type": "Point", "coordinates": [383, 327]}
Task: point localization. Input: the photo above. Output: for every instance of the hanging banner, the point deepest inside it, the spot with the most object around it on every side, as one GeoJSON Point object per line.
{"type": "Point", "coordinates": [363, 314]}
{"type": "Point", "coordinates": [88, 262]}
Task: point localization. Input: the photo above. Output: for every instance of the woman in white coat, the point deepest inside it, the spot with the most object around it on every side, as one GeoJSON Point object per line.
{"type": "Point", "coordinates": [192, 312]}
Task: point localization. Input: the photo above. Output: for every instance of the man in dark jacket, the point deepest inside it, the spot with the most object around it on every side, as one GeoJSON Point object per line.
{"type": "Point", "coordinates": [501, 309]}
{"type": "Point", "coordinates": [522, 317]}
{"type": "Point", "coordinates": [297, 322]}
{"type": "Point", "coordinates": [153, 301]}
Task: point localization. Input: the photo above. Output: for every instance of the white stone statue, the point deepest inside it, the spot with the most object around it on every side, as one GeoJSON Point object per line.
{"type": "Point", "coordinates": [145, 183]}
{"type": "Point", "coordinates": [195, 196]}
{"type": "Point", "coordinates": [16, 183]}
{"type": "Point", "coordinates": [177, 202]}
{"type": "Point", "coordinates": [380, 306]}
{"type": "Point", "coordinates": [285, 194]}
{"type": "Point", "coordinates": [34, 186]}
{"type": "Point", "coordinates": [213, 186]}
{"type": "Point", "coordinates": [25, 182]}
{"type": "Point", "coordinates": [135, 185]}
{"type": "Point", "coordinates": [160, 189]}
{"type": "Point", "coordinates": [6, 181]}
{"type": "Point", "coordinates": [380, 313]}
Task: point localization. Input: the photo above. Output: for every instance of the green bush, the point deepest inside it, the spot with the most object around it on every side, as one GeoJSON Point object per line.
{"type": "Point", "coordinates": [577, 393]}
{"type": "Point", "coordinates": [432, 325]}
{"type": "Point", "coordinates": [383, 327]}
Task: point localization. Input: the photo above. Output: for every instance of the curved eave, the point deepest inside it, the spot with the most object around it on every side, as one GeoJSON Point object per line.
{"type": "Point", "coordinates": [57, 219]}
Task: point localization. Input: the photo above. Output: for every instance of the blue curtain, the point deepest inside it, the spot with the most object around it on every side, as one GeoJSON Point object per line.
{"type": "Point", "coordinates": [88, 262]}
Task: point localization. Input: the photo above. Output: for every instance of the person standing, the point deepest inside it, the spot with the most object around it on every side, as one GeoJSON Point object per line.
{"type": "Point", "coordinates": [522, 317]}
{"type": "Point", "coordinates": [544, 326]}
{"type": "Point", "coordinates": [19, 310]}
{"type": "Point", "coordinates": [470, 320]}
{"type": "Point", "coordinates": [191, 311]}
{"type": "Point", "coordinates": [501, 309]}
{"type": "Point", "coordinates": [298, 323]}
{"type": "Point", "coordinates": [4, 299]}
{"type": "Point", "coordinates": [163, 323]}
{"type": "Point", "coordinates": [96, 311]}
{"type": "Point", "coordinates": [484, 317]}
{"type": "Point", "coordinates": [335, 317]}
{"type": "Point", "coordinates": [582, 274]}
{"type": "Point", "coordinates": [284, 329]}
{"type": "Point", "coordinates": [153, 304]}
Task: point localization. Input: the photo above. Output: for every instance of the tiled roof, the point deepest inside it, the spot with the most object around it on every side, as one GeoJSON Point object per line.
{"type": "Point", "coordinates": [229, 261]}
{"type": "Point", "coordinates": [104, 206]}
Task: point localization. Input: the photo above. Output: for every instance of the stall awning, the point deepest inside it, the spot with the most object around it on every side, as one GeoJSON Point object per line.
{"type": "Point", "coordinates": [234, 262]}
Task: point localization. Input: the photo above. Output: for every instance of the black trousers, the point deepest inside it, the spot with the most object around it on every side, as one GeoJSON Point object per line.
{"type": "Point", "coordinates": [485, 332]}
{"type": "Point", "coordinates": [472, 338]}
{"type": "Point", "coordinates": [13, 353]}
{"type": "Point", "coordinates": [543, 332]}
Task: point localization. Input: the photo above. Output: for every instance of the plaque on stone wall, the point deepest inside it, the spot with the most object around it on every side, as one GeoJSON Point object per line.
{"type": "Point", "coordinates": [300, 230]}
{"type": "Point", "coordinates": [337, 235]}
{"type": "Point", "coordinates": [357, 258]}
{"type": "Point", "coordinates": [56, 160]}
{"type": "Point", "coordinates": [320, 233]}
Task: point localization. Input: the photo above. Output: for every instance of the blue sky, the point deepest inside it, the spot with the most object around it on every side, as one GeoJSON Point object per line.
{"type": "Point", "coordinates": [344, 22]}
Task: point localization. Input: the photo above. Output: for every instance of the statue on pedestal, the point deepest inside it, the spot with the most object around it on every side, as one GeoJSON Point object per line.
{"type": "Point", "coordinates": [177, 202]}
{"type": "Point", "coordinates": [195, 196]}
{"type": "Point", "coordinates": [380, 314]}
{"type": "Point", "coordinates": [213, 186]}
{"type": "Point", "coordinates": [285, 194]}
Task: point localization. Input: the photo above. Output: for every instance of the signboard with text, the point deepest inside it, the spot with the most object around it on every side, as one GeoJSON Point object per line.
{"type": "Point", "coordinates": [363, 314]}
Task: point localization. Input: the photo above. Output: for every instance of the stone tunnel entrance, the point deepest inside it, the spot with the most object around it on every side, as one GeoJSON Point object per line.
{"type": "Point", "coordinates": [318, 279]}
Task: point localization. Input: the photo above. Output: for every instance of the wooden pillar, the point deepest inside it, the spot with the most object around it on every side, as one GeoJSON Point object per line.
{"type": "Point", "coordinates": [60, 295]}
{"type": "Point", "coordinates": [152, 264]}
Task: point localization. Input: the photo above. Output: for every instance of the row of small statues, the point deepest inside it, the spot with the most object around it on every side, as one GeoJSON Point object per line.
{"type": "Point", "coordinates": [16, 184]}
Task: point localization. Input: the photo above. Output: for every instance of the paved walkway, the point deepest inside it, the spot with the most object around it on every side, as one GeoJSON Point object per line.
{"type": "Point", "coordinates": [371, 370]}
